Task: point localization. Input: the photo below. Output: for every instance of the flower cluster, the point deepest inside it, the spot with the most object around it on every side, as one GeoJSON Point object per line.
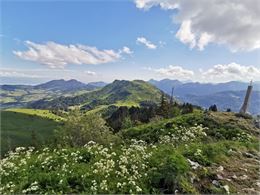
{"type": "Point", "coordinates": [243, 137]}
{"type": "Point", "coordinates": [122, 171]}
{"type": "Point", "coordinates": [183, 135]}
{"type": "Point", "coordinates": [13, 165]}
{"type": "Point", "coordinates": [94, 169]}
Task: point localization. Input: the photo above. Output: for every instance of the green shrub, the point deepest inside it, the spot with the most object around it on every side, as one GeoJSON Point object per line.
{"type": "Point", "coordinates": [79, 129]}
{"type": "Point", "coordinates": [187, 187]}
{"type": "Point", "coordinates": [168, 168]}
{"type": "Point", "coordinates": [206, 154]}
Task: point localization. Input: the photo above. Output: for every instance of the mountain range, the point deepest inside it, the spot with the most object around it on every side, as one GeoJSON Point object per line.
{"type": "Point", "coordinates": [224, 95]}
{"type": "Point", "coordinates": [196, 88]}
{"type": "Point", "coordinates": [21, 95]}
{"type": "Point", "coordinates": [57, 85]}
{"type": "Point", "coordinates": [119, 92]}
{"type": "Point", "coordinates": [61, 93]}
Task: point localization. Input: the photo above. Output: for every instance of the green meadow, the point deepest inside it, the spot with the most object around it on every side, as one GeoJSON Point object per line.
{"type": "Point", "coordinates": [19, 128]}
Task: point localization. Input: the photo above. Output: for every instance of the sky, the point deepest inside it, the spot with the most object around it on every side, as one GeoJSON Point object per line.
{"type": "Point", "coordinates": [189, 40]}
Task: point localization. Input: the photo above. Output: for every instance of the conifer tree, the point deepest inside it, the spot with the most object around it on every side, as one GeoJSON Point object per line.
{"type": "Point", "coordinates": [164, 107]}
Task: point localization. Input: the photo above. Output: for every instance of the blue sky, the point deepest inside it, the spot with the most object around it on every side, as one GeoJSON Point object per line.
{"type": "Point", "coordinates": [50, 28]}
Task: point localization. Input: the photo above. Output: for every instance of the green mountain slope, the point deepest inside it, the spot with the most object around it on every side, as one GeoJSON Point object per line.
{"type": "Point", "coordinates": [17, 129]}
{"type": "Point", "coordinates": [117, 92]}
{"type": "Point", "coordinates": [21, 95]}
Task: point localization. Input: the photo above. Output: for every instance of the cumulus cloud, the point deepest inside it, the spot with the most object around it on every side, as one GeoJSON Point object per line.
{"type": "Point", "coordinates": [232, 71]}
{"type": "Point", "coordinates": [56, 55]}
{"type": "Point", "coordinates": [126, 50]}
{"type": "Point", "coordinates": [147, 4]}
{"type": "Point", "coordinates": [91, 73]}
{"type": "Point", "coordinates": [234, 23]}
{"type": "Point", "coordinates": [217, 73]}
{"type": "Point", "coordinates": [147, 43]}
{"type": "Point", "coordinates": [175, 71]}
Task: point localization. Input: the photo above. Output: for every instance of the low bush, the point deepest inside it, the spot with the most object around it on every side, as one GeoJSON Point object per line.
{"type": "Point", "coordinates": [168, 168]}
{"type": "Point", "coordinates": [79, 129]}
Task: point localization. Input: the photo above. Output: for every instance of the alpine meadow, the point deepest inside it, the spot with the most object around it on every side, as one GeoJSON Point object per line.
{"type": "Point", "coordinates": [130, 97]}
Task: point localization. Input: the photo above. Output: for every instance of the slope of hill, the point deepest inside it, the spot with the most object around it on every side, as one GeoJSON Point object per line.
{"type": "Point", "coordinates": [116, 92]}
{"type": "Point", "coordinates": [165, 84]}
{"type": "Point", "coordinates": [18, 128]}
{"type": "Point", "coordinates": [40, 113]}
{"type": "Point", "coordinates": [62, 85]}
{"type": "Point", "coordinates": [20, 95]}
{"type": "Point", "coordinates": [225, 123]}
{"type": "Point", "coordinates": [221, 156]}
{"type": "Point", "coordinates": [98, 84]}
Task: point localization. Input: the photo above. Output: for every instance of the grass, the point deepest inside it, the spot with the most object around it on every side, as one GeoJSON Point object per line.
{"type": "Point", "coordinates": [221, 125]}
{"type": "Point", "coordinates": [160, 167]}
{"type": "Point", "coordinates": [17, 128]}
{"type": "Point", "coordinates": [36, 112]}
{"type": "Point", "coordinates": [7, 100]}
{"type": "Point", "coordinates": [127, 103]}
{"type": "Point", "coordinates": [98, 109]}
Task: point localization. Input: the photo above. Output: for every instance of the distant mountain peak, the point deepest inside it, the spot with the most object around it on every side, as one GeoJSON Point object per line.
{"type": "Point", "coordinates": [63, 85]}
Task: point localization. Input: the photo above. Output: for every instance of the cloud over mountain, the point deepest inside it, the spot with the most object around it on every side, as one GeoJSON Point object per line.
{"type": "Point", "coordinates": [217, 73]}
{"type": "Point", "coordinates": [232, 71]}
{"type": "Point", "coordinates": [175, 71]}
{"type": "Point", "coordinates": [56, 55]}
{"type": "Point", "coordinates": [234, 23]}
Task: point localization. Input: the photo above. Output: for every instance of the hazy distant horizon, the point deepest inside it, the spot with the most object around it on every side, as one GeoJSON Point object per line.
{"type": "Point", "coordinates": [23, 82]}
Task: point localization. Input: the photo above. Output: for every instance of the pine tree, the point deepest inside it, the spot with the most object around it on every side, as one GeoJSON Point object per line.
{"type": "Point", "coordinates": [164, 107]}
{"type": "Point", "coordinates": [213, 108]}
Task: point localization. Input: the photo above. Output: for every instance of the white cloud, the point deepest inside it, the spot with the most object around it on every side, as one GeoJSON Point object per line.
{"type": "Point", "coordinates": [147, 4]}
{"type": "Point", "coordinates": [185, 35]}
{"type": "Point", "coordinates": [146, 42]}
{"type": "Point", "coordinates": [232, 71]}
{"type": "Point", "coordinates": [218, 73]}
{"type": "Point", "coordinates": [56, 55]}
{"type": "Point", "coordinates": [91, 73]}
{"type": "Point", "coordinates": [175, 71]}
{"type": "Point", "coordinates": [234, 23]}
{"type": "Point", "coordinates": [126, 50]}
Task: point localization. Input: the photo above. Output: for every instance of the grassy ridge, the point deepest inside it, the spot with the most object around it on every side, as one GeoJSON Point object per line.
{"type": "Point", "coordinates": [36, 112]}
{"type": "Point", "coordinates": [118, 92]}
{"type": "Point", "coordinates": [17, 128]}
{"type": "Point", "coordinates": [222, 125]}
